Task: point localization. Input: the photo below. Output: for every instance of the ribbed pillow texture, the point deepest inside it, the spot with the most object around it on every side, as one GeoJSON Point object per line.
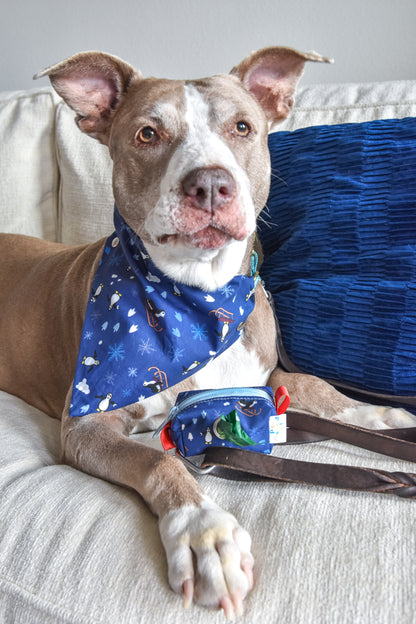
{"type": "Point", "coordinates": [339, 238]}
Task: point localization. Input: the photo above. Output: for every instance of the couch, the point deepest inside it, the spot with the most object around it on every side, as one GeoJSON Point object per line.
{"type": "Point", "coordinates": [77, 550]}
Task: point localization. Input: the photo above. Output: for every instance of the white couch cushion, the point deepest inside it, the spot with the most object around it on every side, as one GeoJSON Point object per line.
{"type": "Point", "coordinates": [85, 194]}
{"type": "Point", "coordinates": [351, 103]}
{"type": "Point", "coordinates": [28, 169]}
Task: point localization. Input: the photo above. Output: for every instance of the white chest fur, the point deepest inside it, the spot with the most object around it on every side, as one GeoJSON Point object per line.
{"type": "Point", "coordinates": [236, 367]}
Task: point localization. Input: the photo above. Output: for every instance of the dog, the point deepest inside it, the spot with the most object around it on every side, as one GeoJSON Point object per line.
{"type": "Point", "coordinates": [191, 173]}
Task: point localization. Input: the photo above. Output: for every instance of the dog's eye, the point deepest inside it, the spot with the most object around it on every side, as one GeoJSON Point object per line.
{"type": "Point", "coordinates": [241, 128]}
{"type": "Point", "coordinates": [146, 135]}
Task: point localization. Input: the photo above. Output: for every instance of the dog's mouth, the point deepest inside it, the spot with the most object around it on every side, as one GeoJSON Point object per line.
{"type": "Point", "coordinates": [208, 237]}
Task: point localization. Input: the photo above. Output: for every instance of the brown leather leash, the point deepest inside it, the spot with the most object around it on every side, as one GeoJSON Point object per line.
{"type": "Point", "coordinates": [246, 465]}
{"type": "Point", "coordinates": [399, 443]}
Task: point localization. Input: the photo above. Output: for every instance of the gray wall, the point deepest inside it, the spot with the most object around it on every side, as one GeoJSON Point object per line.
{"type": "Point", "coordinates": [371, 40]}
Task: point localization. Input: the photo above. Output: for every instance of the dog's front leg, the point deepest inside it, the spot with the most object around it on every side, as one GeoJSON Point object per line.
{"type": "Point", "coordinates": [315, 395]}
{"type": "Point", "coordinates": [208, 553]}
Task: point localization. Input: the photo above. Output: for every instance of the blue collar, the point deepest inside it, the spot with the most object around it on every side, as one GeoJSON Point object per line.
{"type": "Point", "coordinates": [143, 332]}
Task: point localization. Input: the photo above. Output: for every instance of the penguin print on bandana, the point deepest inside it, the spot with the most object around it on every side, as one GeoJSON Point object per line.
{"type": "Point", "coordinates": [144, 332]}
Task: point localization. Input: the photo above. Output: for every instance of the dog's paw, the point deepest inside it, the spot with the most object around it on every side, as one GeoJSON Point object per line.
{"type": "Point", "coordinates": [377, 417]}
{"type": "Point", "coordinates": [208, 555]}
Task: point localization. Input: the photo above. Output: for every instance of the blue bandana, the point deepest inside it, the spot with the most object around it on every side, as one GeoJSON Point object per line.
{"type": "Point", "coordinates": [143, 332]}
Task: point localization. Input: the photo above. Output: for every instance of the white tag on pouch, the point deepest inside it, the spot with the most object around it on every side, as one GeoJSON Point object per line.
{"type": "Point", "coordinates": [277, 429]}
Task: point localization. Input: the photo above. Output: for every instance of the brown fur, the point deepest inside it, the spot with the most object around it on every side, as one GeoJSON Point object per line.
{"type": "Point", "coordinates": [42, 316]}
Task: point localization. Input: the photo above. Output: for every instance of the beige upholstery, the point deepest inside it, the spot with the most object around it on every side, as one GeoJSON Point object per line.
{"type": "Point", "coordinates": [77, 550]}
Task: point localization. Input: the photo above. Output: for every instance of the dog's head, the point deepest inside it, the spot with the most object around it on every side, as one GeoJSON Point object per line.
{"type": "Point", "coordinates": [191, 164]}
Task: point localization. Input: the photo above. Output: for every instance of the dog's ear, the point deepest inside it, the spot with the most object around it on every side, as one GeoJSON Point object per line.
{"type": "Point", "coordinates": [92, 84]}
{"type": "Point", "coordinates": [272, 75]}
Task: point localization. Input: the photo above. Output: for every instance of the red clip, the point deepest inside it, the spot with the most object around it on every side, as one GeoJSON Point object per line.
{"type": "Point", "coordinates": [282, 399]}
{"type": "Point", "coordinates": [165, 438]}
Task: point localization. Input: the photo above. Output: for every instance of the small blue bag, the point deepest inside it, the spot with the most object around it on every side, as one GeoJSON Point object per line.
{"type": "Point", "coordinates": [230, 417]}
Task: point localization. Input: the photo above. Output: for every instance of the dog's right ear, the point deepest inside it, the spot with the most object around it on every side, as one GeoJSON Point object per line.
{"type": "Point", "coordinates": [92, 84]}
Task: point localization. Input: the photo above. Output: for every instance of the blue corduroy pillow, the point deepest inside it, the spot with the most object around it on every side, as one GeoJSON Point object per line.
{"type": "Point", "coordinates": [339, 237]}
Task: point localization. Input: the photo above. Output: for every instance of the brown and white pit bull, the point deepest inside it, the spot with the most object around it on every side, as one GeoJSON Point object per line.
{"type": "Point", "coordinates": [159, 134]}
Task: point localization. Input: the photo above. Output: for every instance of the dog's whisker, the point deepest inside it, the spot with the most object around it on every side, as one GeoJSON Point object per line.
{"type": "Point", "coordinates": [277, 177]}
{"type": "Point", "coordinates": [265, 218]}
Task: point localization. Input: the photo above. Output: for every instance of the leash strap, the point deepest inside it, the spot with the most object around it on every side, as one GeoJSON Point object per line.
{"type": "Point", "coordinates": [399, 443]}
{"type": "Point", "coordinates": [245, 465]}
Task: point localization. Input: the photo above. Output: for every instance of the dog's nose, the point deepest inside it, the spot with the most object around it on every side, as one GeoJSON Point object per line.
{"type": "Point", "coordinates": [209, 188]}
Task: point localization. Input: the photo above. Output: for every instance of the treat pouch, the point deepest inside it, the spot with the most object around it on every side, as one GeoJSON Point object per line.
{"type": "Point", "coordinates": [231, 417]}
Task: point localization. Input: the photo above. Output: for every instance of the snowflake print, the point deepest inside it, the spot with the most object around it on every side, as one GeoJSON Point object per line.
{"type": "Point", "coordinates": [114, 260]}
{"type": "Point", "coordinates": [199, 332]}
{"type": "Point", "coordinates": [95, 316]}
{"type": "Point", "coordinates": [110, 379]}
{"type": "Point", "coordinates": [88, 335]}
{"type": "Point", "coordinates": [116, 352]}
{"type": "Point", "coordinates": [132, 372]}
{"type": "Point", "coordinates": [227, 291]}
{"type": "Point", "coordinates": [175, 353]}
{"type": "Point", "coordinates": [145, 346]}
{"type": "Point", "coordinates": [127, 392]}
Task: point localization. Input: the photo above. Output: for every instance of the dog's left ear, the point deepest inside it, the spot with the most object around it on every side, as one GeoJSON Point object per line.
{"type": "Point", "coordinates": [272, 74]}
